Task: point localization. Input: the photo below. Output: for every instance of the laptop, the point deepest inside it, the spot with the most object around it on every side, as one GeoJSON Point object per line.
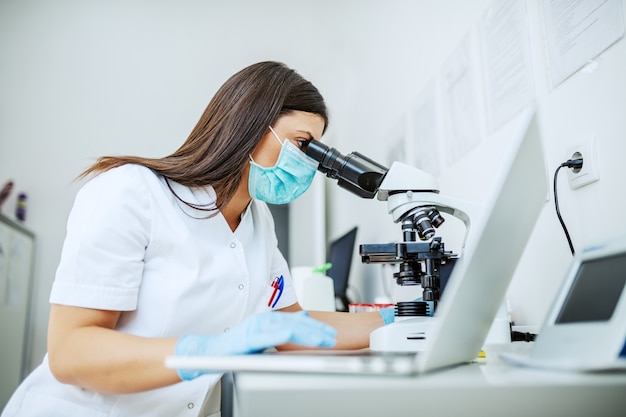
{"type": "Point", "coordinates": [339, 255]}
{"type": "Point", "coordinates": [474, 292]}
{"type": "Point", "coordinates": [585, 328]}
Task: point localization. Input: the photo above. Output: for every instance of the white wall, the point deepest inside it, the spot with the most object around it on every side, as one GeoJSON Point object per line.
{"type": "Point", "coordinates": [406, 51]}
{"type": "Point", "coordinates": [82, 79]}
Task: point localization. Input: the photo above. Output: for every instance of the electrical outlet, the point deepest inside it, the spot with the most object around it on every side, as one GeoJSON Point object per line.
{"type": "Point", "coordinates": [588, 173]}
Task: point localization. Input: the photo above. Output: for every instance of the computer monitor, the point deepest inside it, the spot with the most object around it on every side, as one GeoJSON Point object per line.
{"type": "Point", "coordinates": [339, 255]}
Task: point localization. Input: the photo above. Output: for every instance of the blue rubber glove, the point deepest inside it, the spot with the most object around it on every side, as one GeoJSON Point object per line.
{"type": "Point", "coordinates": [255, 334]}
{"type": "Point", "coordinates": [388, 314]}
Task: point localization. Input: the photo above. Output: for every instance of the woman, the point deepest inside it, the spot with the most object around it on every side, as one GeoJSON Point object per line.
{"type": "Point", "coordinates": [178, 255]}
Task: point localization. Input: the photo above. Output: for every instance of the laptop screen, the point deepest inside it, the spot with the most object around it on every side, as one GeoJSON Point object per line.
{"type": "Point", "coordinates": [339, 254]}
{"type": "Point", "coordinates": [595, 291]}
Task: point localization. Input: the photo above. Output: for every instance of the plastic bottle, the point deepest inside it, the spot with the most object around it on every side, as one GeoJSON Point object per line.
{"type": "Point", "coordinates": [314, 289]}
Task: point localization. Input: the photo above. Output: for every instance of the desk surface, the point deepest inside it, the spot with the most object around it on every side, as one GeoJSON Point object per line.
{"type": "Point", "coordinates": [481, 389]}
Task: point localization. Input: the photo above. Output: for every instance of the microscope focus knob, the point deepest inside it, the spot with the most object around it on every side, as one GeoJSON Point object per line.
{"type": "Point", "coordinates": [430, 281]}
{"type": "Point", "coordinates": [430, 294]}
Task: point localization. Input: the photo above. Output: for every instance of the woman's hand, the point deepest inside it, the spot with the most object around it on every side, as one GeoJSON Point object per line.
{"type": "Point", "coordinates": [255, 334]}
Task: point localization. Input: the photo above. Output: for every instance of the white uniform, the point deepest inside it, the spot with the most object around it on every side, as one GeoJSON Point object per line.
{"type": "Point", "coordinates": [131, 246]}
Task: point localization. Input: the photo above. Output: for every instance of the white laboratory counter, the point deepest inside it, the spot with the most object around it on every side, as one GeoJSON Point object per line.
{"type": "Point", "coordinates": [483, 388]}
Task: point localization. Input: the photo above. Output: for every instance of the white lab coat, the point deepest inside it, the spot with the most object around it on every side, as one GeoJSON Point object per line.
{"type": "Point", "coordinates": [132, 246]}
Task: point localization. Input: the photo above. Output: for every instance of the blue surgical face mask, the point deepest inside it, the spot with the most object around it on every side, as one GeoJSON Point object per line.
{"type": "Point", "coordinates": [284, 182]}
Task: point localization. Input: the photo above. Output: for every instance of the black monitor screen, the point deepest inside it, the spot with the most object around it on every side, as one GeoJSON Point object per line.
{"type": "Point", "coordinates": [595, 291]}
{"type": "Point", "coordinates": [340, 256]}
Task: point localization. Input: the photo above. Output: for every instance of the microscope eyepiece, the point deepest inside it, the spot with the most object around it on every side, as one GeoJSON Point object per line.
{"type": "Point", "coordinates": [354, 172]}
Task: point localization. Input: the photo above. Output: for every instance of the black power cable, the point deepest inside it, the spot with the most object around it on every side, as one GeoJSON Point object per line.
{"type": "Point", "coordinates": [573, 164]}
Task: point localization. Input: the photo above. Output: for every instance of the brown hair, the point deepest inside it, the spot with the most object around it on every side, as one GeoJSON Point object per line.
{"type": "Point", "coordinates": [232, 125]}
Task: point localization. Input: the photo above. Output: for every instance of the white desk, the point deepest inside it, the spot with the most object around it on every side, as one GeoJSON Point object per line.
{"type": "Point", "coordinates": [482, 389]}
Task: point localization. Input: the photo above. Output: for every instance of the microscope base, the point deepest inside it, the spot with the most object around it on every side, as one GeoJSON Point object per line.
{"type": "Point", "coordinates": [404, 335]}
{"type": "Point", "coordinates": [409, 334]}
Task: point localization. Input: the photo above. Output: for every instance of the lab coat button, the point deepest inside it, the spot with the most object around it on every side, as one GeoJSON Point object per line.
{"type": "Point", "coordinates": [233, 245]}
{"type": "Point", "coordinates": [241, 286]}
{"type": "Point", "coordinates": [190, 406]}
{"type": "Point", "coordinates": [226, 329]}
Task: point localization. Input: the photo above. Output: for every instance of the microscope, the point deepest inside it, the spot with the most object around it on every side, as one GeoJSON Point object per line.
{"type": "Point", "coordinates": [414, 201]}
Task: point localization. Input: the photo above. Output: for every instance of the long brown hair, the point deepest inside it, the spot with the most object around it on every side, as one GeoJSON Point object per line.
{"type": "Point", "coordinates": [232, 125]}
